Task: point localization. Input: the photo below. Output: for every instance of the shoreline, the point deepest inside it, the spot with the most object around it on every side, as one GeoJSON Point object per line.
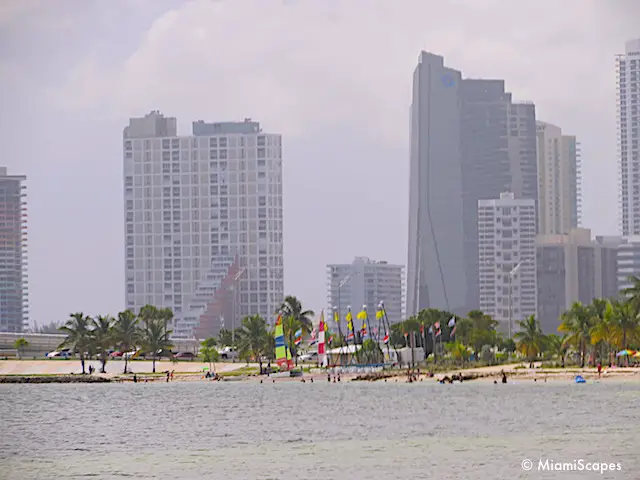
{"type": "Point", "coordinates": [44, 371]}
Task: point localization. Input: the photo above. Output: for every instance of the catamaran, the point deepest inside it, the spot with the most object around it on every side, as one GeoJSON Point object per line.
{"type": "Point", "coordinates": [283, 353]}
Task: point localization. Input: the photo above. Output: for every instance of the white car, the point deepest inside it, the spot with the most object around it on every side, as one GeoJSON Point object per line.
{"type": "Point", "coordinates": [65, 353]}
{"type": "Point", "coordinates": [309, 357]}
{"type": "Point", "coordinates": [228, 353]}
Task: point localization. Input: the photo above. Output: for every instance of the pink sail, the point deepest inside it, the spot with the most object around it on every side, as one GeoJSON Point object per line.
{"type": "Point", "coordinates": [322, 356]}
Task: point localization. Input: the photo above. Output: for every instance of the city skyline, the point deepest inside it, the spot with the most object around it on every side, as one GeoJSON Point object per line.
{"type": "Point", "coordinates": [78, 100]}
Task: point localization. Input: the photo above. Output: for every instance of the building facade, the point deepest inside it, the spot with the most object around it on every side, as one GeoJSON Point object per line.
{"type": "Point", "coordinates": [573, 268]}
{"type": "Point", "coordinates": [13, 253]}
{"type": "Point", "coordinates": [366, 282]}
{"type": "Point", "coordinates": [559, 193]}
{"type": "Point", "coordinates": [203, 221]}
{"type": "Point", "coordinates": [628, 260]}
{"type": "Point", "coordinates": [435, 269]}
{"type": "Point", "coordinates": [628, 123]}
{"type": "Point", "coordinates": [498, 155]}
{"type": "Point", "coordinates": [507, 258]}
{"type": "Point", "coordinates": [469, 142]}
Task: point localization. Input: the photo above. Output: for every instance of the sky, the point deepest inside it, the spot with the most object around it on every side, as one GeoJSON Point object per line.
{"type": "Point", "coordinates": [333, 77]}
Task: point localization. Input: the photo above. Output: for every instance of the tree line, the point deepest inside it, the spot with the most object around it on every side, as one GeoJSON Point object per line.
{"type": "Point", "coordinates": [594, 333]}
{"type": "Point", "coordinates": [148, 332]}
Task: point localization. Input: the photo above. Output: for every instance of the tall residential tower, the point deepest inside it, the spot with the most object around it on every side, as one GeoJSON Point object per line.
{"type": "Point", "coordinates": [559, 195]}
{"type": "Point", "coordinates": [203, 221]}
{"type": "Point", "coordinates": [628, 119]}
{"type": "Point", "coordinates": [13, 253]}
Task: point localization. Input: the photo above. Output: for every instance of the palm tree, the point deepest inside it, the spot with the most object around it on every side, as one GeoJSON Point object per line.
{"type": "Point", "coordinates": [577, 323]}
{"type": "Point", "coordinates": [557, 346]}
{"type": "Point", "coordinates": [291, 307]}
{"type": "Point", "coordinates": [632, 293]}
{"type": "Point", "coordinates": [253, 338]}
{"type": "Point", "coordinates": [126, 334]}
{"type": "Point", "coordinates": [155, 338]}
{"type": "Point", "coordinates": [20, 345]}
{"type": "Point", "coordinates": [102, 337]}
{"type": "Point", "coordinates": [530, 340]}
{"type": "Point", "coordinates": [78, 334]}
{"type": "Point", "coordinates": [226, 337]}
{"type": "Point", "coordinates": [209, 352]}
{"type": "Point", "coordinates": [625, 323]}
{"type": "Point", "coordinates": [602, 331]}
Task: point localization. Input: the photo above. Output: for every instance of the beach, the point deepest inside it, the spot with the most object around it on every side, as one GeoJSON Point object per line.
{"type": "Point", "coordinates": [239, 371]}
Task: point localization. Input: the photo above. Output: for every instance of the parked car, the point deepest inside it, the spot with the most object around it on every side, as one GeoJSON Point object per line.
{"type": "Point", "coordinates": [309, 357]}
{"type": "Point", "coordinates": [228, 353]}
{"type": "Point", "coordinates": [64, 353]}
{"type": "Point", "coordinates": [185, 355]}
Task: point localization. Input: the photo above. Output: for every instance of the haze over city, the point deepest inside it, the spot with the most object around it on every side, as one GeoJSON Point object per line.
{"type": "Point", "coordinates": [333, 78]}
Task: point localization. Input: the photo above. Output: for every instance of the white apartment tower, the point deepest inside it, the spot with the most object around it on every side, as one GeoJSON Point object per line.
{"type": "Point", "coordinates": [628, 120]}
{"type": "Point", "coordinates": [203, 222]}
{"type": "Point", "coordinates": [366, 282]}
{"type": "Point", "coordinates": [507, 258]}
{"type": "Point", "coordinates": [559, 194]}
{"type": "Point", "coordinates": [13, 253]}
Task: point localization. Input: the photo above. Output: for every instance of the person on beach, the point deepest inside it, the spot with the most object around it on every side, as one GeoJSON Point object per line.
{"type": "Point", "coordinates": [504, 376]}
{"type": "Point", "coordinates": [135, 378]}
{"type": "Point", "coordinates": [168, 375]}
{"type": "Point", "coordinates": [599, 369]}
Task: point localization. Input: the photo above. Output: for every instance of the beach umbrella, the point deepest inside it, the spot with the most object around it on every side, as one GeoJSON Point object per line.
{"type": "Point", "coordinates": [624, 353]}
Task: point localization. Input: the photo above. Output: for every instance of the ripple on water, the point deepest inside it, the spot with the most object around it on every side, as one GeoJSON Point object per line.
{"type": "Point", "coordinates": [293, 430]}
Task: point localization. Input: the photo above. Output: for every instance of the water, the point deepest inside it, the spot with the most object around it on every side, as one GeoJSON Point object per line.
{"type": "Point", "coordinates": [211, 430]}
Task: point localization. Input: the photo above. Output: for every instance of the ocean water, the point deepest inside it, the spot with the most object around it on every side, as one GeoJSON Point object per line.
{"type": "Point", "coordinates": [293, 430]}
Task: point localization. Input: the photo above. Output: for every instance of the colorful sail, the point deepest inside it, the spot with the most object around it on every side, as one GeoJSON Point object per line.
{"type": "Point", "coordinates": [283, 355]}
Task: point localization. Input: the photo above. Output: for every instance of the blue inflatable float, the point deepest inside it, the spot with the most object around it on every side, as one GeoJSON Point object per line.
{"type": "Point", "coordinates": [579, 379]}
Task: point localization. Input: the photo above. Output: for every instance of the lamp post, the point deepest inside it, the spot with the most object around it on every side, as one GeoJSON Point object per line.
{"type": "Point", "coordinates": [236, 277]}
{"type": "Point", "coordinates": [342, 283]}
{"type": "Point", "coordinates": [511, 275]}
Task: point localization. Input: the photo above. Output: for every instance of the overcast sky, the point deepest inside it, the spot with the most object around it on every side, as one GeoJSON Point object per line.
{"type": "Point", "coordinates": [333, 77]}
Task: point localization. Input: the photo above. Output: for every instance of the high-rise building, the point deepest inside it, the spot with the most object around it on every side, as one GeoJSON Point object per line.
{"type": "Point", "coordinates": [559, 195]}
{"type": "Point", "coordinates": [573, 268]}
{"type": "Point", "coordinates": [498, 155]}
{"type": "Point", "coordinates": [366, 282]}
{"type": "Point", "coordinates": [203, 221]}
{"type": "Point", "coordinates": [628, 261]}
{"type": "Point", "coordinates": [469, 142]}
{"type": "Point", "coordinates": [13, 254]}
{"type": "Point", "coordinates": [628, 119]}
{"type": "Point", "coordinates": [435, 268]}
{"type": "Point", "coordinates": [507, 257]}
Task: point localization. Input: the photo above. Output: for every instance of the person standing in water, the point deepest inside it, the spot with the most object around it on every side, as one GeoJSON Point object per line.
{"type": "Point", "coordinates": [504, 377]}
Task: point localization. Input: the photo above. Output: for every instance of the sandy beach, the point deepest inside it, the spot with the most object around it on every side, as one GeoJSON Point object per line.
{"type": "Point", "coordinates": [194, 371]}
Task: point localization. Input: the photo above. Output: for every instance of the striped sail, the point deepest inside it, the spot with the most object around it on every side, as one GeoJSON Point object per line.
{"type": "Point", "coordinates": [322, 357]}
{"type": "Point", "coordinates": [283, 355]}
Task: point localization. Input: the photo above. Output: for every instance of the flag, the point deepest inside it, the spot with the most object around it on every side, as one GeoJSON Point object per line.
{"type": "Point", "coordinates": [452, 322]}
{"type": "Point", "coordinates": [313, 333]}
{"type": "Point", "coordinates": [298, 333]}
{"type": "Point", "coordinates": [362, 315]}
{"type": "Point", "coordinates": [379, 314]}
{"type": "Point", "coordinates": [349, 319]}
{"type": "Point", "coordinates": [330, 339]}
{"type": "Point", "coordinates": [422, 329]}
{"type": "Point", "coordinates": [386, 338]}
{"type": "Point", "coordinates": [297, 341]}
{"type": "Point", "coordinates": [321, 328]}
{"type": "Point", "coordinates": [350, 336]}
{"type": "Point", "coordinates": [336, 316]}
{"type": "Point", "coordinates": [326, 327]}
